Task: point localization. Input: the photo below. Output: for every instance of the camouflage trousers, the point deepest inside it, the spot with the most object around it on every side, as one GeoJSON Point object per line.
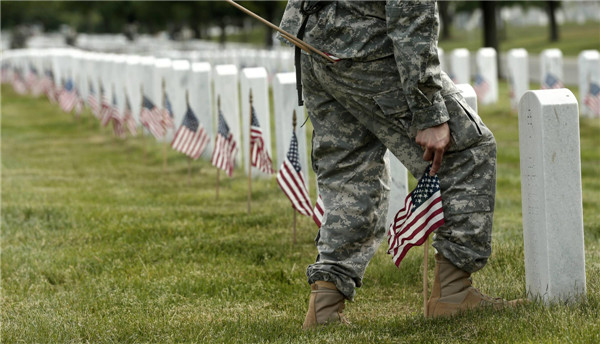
{"type": "Point", "coordinates": [358, 110]}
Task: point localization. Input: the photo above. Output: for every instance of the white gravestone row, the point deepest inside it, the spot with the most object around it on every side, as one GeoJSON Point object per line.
{"type": "Point", "coordinates": [255, 80]}
{"type": "Point", "coordinates": [518, 74]}
{"type": "Point", "coordinates": [460, 66]}
{"type": "Point", "coordinates": [589, 82]}
{"type": "Point", "coordinates": [551, 195]}
{"type": "Point", "coordinates": [226, 81]}
{"type": "Point", "coordinates": [486, 79]}
{"type": "Point", "coordinates": [285, 100]}
{"type": "Point", "coordinates": [551, 69]}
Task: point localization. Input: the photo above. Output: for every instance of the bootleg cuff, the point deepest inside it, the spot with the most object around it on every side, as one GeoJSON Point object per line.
{"type": "Point", "coordinates": [347, 289]}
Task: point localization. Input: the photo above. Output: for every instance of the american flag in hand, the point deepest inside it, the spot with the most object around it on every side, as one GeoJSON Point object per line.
{"type": "Point", "coordinates": [259, 155]}
{"type": "Point", "coordinates": [150, 117]}
{"type": "Point", "coordinates": [421, 215]}
{"type": "Point", "coordinates": [225, 147]}
{"type": "Point", "coordinates": [291, 181]}
{"type": "Point", "coordinates": [191, 138]}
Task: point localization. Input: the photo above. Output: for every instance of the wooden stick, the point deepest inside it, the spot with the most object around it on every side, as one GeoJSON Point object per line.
{"type": "Point", "coordinates": [294, 210]}
{"type": "Point", "coordinates": [141, 108]}
{"type": "Point", "coordinates": [250, 156]}
{"type": "Point", "coordinates": [218, 169]}
{"type": "Point", "coordinates": [189, 171]}
{"type": "Point", "coordinates": [164, 106]}
{"type": "Point", "coordinates": [293, 39]}
{"type": "Point", "coordinates": [425, 284]}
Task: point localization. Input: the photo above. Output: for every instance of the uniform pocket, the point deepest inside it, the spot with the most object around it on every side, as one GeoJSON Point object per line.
{"type": "Point", "coordinates": [394, 108]}
{"type": "Point", "coordinates": [465, 124]}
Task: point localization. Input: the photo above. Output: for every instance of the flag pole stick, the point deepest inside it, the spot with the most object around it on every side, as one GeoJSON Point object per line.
{"type": "Point", "coordinates": [187, 103]}
{"type": "Point", "coordinates": [425, 284]}
{"type": "Point", "coordinates": [141, 108]}
{"type": "Point", "coordinates": [294, 226]}
{"type": "Point", "coordinates": [293, 39]}
{"type": "Point", "coordinates": [164, 106]}
{"type": "Point", "coordinates": [218, 169]}
{"type": "Point", "coordinates": [250, 155]}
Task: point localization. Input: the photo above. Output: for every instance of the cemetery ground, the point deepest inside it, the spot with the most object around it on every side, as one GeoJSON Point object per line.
{"type": "Point", "coordinates": [100, 245]}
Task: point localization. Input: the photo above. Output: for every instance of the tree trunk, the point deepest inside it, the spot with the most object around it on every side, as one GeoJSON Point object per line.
{"type": "Point", "coordinates": [490, 29]}
{"type": "Point", "coordinates": [446, 19]}
{"type": "Point", "coordinates": [552, 6]}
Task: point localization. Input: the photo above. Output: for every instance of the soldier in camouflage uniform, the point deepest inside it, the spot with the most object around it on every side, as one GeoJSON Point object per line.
{"type": "Point", "coordinates": [388, 92]}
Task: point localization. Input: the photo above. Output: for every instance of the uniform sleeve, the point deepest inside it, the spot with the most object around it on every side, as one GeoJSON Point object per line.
{"type": "Point", "coordinates": [413, 28]}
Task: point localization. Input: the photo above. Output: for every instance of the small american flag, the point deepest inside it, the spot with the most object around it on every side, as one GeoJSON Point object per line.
{"type": "Point", "coordinates": [50, 87]}
{"type": "Point", "coordinates": [481, 86]}
{"type": "Point", "coordinates": [117, 120]}
{"type": "Point", "coordinates": [34, 81]}
{"type": "Point", "coordinates": [105, 108]}
{"type": "Point", "coordinates": [551, 81]}
{"type": "Point", "coordinates": [592, 98]}
{"type": "Point", "coordinates": [191, 138]}
{"type": "Point", "coordinates": [291, 181]}
{"type": "Point", "coordinates": [259, 155]}
{"type": "Point", "coordinates": [421, 215]}
{"type": "Point", "coordinates": [225, 147]}
{"type": "Point", "coordinates": [128, 118]}
{"type": "Point", "coordinates": [167, 114]}
{"type": "Point", "coordinates": [150, 117]}
{"type": "Point", "coordinates": [67, 97]}
{"type": "Point", "coordinates": [318, 211]}
{"type": "Point", "coordinates": [93, 101]}
{"type": "Point", "coordinates": [18, 83]}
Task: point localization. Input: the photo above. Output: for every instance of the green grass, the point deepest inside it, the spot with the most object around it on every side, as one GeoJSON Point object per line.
{"type": "Point", "coordinates": [100, 245]}
{"type": "Point", "coordinates": [573, 39]}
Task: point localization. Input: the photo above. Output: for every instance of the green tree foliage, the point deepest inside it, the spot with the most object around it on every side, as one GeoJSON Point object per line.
{"type": "Point", "coordinates": [148, 16]}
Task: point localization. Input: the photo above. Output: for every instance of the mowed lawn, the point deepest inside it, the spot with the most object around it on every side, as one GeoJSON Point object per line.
{"type": "Point", "coordinates": [100, 245]}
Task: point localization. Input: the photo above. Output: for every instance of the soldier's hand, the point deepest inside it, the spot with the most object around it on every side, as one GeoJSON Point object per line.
{"type": "Point", "coordinates": [435, 141]}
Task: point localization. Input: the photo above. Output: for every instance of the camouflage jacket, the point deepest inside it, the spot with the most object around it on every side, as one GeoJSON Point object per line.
{"type": "Point", "coordinates": [371, 30]}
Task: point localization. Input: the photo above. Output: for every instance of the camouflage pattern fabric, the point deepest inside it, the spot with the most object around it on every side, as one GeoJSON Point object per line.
{"type": "Point", "coordinates": [359, 107]}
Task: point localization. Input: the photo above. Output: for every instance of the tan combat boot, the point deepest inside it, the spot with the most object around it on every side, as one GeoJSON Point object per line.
{"type": "Point", "coordinates": [326, 305]}
{"type": "Point", "coordinates": [452, 292]}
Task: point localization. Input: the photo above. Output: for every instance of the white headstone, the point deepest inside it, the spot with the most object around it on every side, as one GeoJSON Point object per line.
{"type": "Point", "coordinates": [286, 101]}
{"type": "Point", "coordinates": [178, 86]}
{"type": "Point", "coordinates": [201, 102]}
{"type": "Point", "coordinates": [460, 63]}
{"type": "Point", "coordinates": [551, 195]}
{"type": "Point", "coordinates": [442, 59]}
{"type": "Point", "coordinates": [398, 187]}
{"type": "Point", "coordinates": [255, 79]}
{"type": "Point", "coordinates": [551, 69]}
{"type": "Point", "coordinates": [589, 82]}
{"type": "Point", "coordinates": [518, 74]}
{"type": "Point", "coordinates": [147, 77]}
{"type": "Point", "coordinates": [226, 87]}
{"type": "Point", "coordinates": [133, 84]}
{"type": "Point", "coordinates": [486, 80]}
{"type": "Point", "coordinates": [468, 92]}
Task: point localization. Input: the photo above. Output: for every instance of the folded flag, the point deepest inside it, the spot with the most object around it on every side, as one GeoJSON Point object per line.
{"type": "Point", "coordinates": [225, 147]}
{"type": "Point", "coordinates": [421, 215]}
{"type": "Point", "coordinates": [259, 155]}
{"type": "Point", "coordinates": [291, 181]}
{"type": "Point", "coordinates": [190, 139]}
